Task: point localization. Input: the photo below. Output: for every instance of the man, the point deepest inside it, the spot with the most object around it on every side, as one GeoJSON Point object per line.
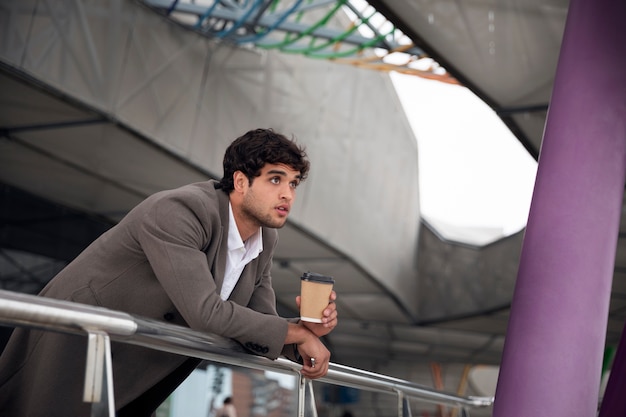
{"type": "Point", "coordinates": [227, 410]}
{"type": "Point", "coordinates": [197, 256]}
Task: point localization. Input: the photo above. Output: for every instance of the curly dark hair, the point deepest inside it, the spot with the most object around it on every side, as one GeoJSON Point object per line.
{"type": "Point", "coordinates": [250, 152]}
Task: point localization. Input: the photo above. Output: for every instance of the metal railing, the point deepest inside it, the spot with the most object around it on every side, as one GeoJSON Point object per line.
{"type": "Point", "coordinates": [102, 325]}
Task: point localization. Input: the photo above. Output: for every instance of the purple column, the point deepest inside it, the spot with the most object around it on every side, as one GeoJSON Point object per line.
{"type": "Point", "coordinates": [552, 357]}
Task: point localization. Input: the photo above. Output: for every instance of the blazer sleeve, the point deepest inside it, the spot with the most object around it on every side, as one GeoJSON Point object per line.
{"type": "Point", "coordinates": [264, 298]}
{"type": "Point", "coordinates": [173, 234]}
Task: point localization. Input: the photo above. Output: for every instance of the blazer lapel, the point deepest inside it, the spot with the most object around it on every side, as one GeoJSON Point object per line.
{"type": "Point", "coordinates": [245, 285]}
{"type": "Point", "coordinates": [219, 263]}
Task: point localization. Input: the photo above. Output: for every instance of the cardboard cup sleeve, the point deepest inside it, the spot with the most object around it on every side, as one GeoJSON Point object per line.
{"type": "Point", "coordinates": [315, 292]}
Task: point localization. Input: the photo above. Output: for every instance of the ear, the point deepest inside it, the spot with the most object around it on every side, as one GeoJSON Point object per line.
{"type": "Point", "coordinates": [240, 181]}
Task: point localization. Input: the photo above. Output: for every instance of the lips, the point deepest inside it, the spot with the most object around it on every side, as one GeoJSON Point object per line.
{"type": "Point", "coordinates": [283, 209]}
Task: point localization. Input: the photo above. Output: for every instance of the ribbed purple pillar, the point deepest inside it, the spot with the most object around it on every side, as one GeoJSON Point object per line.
{"type": "Point", "coordinates": [552, 357]}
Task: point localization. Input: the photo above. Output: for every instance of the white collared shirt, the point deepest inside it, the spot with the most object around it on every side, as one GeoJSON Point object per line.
{"type": "Point", "coordinates": [239, 254]}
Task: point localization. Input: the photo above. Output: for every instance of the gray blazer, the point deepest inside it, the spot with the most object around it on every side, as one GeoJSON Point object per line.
{"type": "Point", "coordinates": [165, 260]}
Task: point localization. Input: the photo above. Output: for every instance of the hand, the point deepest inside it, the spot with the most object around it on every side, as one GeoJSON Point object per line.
{"type": "Point", "coordinates": [315, 356]}
{"type": "Point", "coordinates": [310, 347]}
{"type": "Point", "coordinates": [329, 319]}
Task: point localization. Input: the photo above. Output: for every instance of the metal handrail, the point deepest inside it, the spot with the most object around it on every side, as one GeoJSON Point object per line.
{"type": "Point", "coordinates": [24, 310]}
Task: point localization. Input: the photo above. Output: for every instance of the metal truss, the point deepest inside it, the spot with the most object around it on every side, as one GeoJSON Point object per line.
{"type": "Point", "coordinates": [345, 31]}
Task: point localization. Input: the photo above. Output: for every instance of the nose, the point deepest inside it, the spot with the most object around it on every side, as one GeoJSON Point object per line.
{"type": "Point", "coordinates": [287, 193]}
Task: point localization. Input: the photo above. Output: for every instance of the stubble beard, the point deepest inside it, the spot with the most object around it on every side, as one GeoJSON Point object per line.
{"type": "Point", "coordinates": [253, 212]}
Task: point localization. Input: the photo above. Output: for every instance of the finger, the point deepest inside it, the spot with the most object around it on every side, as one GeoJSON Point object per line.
{"type": "Point", "coordinates": [314, 367]}
{"type": "Point", "coordinates": [309, 372]}
{"type": "Point", "coordinates": [320, 371]}
{"type": "Point", "coordinates": [314, 373]}
{"type": "Point", "coordinates": [329, 321]}
{"type": "Point", "coordinates": [330, 314]}
{"type": "Point", "coordinates": [332, 307]}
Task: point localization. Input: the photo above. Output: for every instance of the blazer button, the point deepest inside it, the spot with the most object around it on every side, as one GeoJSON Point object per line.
{"type": "Point", "coordinates": [168, 316]}
{"type": "Point", "coordinates": [256, 347]}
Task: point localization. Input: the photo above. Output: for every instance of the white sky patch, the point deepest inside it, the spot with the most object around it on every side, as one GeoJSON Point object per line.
{"type": "Point", "coordinates": [474, 173]}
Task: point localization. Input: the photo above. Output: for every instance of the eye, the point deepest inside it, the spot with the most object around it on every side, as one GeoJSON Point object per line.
{"type": "Point", "coordinates": [275, 180]}
{"type": "Point", "coordinates": [294, 184]}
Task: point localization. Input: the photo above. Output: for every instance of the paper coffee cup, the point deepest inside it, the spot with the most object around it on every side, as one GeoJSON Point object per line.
{"type": "Point", "coordinates": [315, 292]}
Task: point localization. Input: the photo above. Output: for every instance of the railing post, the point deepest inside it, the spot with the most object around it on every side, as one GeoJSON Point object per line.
{"type": "Point", "coordinates": [301, 395]}
{"type": "Point", "coordinates": [404, 407]}
{"type": "Point", "coordinates": [99, 375]}
{"type": "Point", "coordinates": [306, 398]}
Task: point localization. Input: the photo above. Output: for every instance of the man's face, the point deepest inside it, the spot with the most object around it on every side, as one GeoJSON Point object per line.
{"type": "Point", "coordinates": [268, 200]}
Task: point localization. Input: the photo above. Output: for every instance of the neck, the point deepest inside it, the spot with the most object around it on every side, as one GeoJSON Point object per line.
{"type": "Point", "coordinates": [245, 228]}
{"type": "Point", "coordinates": [246, 225]}
{"type": "Point", "coordinates": [246, 236]}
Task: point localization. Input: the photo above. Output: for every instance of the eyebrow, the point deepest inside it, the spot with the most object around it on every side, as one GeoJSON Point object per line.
{"type": "Point", "coordinates": [283, 173]}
